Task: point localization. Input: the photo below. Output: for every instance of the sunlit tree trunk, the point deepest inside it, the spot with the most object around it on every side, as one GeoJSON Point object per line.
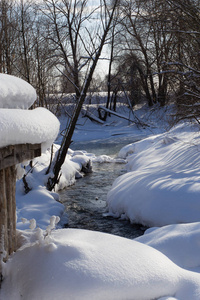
{"type": "Point", "coordinates": [57, 164]}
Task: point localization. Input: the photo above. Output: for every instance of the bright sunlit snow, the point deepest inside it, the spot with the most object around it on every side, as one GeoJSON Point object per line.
{"type": "Point", "coordinates": [81, 264]}
{"type": "Point", "coordinates": [179, 242]}
{"type": "Point", "coordinates": [162, 183]}
{"type": "Point", "coordinates": [35, 126]}
{"type": "Point", "coordinates": [19, 125]}
{"type": "Point", "coordinates": [15, 92]}
{"type": "Point", "coordinates": [161, 187]}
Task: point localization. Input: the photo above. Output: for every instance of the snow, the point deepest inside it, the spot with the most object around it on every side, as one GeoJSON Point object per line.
{"type": "Point", "coordinates": [179, 242]}
{"type": "Point", "coordinates": [81, 264]}
{"type": "Point", "coordinates": [15, 92]}
{"type": "Point", "coordinates": [108, 159]}
{"type": "Point", "coordinates": [161, 187]}
{"type": "Point", "coordinates": [18, 126]}
{"type": "Point", "coordinates": [40, 203]}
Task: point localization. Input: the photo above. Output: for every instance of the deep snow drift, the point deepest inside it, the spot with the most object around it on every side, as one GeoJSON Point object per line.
{"type": "Point", "coordinates": [162, 183]}
{"type": "Point", "coordinates": [179, 242]}
{"type": "Point", "coordinates": [81, 264]}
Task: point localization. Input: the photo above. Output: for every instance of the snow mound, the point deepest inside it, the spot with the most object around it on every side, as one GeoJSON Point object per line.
{"type": "Point", "coordinates": [172, 239]}
{"type": "Point", "coordinates": [162, 185]}
{"type": "Point", "coordinates": [19, 126]}
{"type": "Point", "coordinates": [94, 265]}
{"type": "Point", "coordinates": [38, 204]}
{"type": "Point", "coordinates": [126, 150]}
{"type": "Point", "coordinates": [15, 92]}
{"type": "Point", "coordinates": [107, 159]}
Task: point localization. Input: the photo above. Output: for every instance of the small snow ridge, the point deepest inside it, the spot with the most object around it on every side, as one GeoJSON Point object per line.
{"type": "Point", "coordinates": [108, 159]}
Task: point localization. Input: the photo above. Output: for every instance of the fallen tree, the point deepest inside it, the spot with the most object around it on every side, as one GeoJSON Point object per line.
{"type": "Point", "coordinates": [114, 113]}
{"type": "Point", "coordinates": [92, 117]}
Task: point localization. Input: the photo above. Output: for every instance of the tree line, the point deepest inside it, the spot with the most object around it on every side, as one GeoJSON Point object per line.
{"type": "Point", "coordinates": [152, 46]}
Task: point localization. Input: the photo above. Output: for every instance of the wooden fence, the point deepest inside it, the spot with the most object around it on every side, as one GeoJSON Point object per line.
{"type": "Point", "coordinates": [9, 157]}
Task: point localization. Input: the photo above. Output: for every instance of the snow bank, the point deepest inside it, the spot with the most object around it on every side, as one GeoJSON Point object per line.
{"type": "Point", "coordinates": [19, 126]}
{"type": "Point", "coordinates": [15, 92]}
{"type": "Point", "coordinates": [126, 150]}
{"type": "Point", "coordinates": [179, 242]}
{"type": "Point", "coordinates": [162, 185]}
{"type": "Point", "coordinates": [107, 159]}
{"type": "Point", "coordinates": [80, 264]}
{"type": "Point", "coordinates": [40, 203]}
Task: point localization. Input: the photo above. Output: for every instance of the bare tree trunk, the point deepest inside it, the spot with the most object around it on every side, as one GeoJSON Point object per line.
{"type": "Point", "coordinates": [110, 70]}
{"type": "Point", "coordinates": [52, 181]}
{"type": "Point", "coordinates": [25, 50]}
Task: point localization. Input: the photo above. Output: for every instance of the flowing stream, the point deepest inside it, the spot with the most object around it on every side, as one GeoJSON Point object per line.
{"type": "Point", "coordinates": [85, 201]}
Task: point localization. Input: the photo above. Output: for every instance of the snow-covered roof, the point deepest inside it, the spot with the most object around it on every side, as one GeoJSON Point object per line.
{"type": "Point", "coordinates": [15, 92]}
{"type": "Point", "coordinates": [18, 125]}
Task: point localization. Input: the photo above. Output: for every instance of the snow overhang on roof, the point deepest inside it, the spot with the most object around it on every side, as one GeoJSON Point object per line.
{"type": "Point", "coordinates": [18, 125]}
{"type": "Point", "coordinates": [15, 92]}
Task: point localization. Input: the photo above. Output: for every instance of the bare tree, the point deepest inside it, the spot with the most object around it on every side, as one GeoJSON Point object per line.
{"type": "Point", "coordinates": [148, 41]}
{"type": "Point", "coordinates": [130, 77]}
{"type": "Point", "coordinates": [184, 66]}
{"type": "Point", "coordinates": [67, 25]}
{"type": "Point", "coordinates": [31, 51]}
{"type": "Point", "coordinates": [93, 51]}
{"type": "Point", "coordinates": [137, 36]}
{"type": "Point", "coordinates": [7, 36]}
{"type": "Point", "coordinates": [46, 79]}
{"type": "Point", "coordinates": [24, 60]}
{"type": "Point", "coordinates": [111, 60]}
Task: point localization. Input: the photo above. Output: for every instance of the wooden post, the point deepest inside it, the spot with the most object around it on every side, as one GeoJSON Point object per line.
{"type": "Point", "coordinates": [10, 177]}
{"type": "Point", "coordinates": [9, 157]}
{"type": "Point", "coordinates": [3, 218]}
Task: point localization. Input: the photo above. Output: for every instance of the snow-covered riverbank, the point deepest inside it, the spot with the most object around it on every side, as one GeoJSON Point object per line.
{"type": "Point", "coordinates": [161, 187]}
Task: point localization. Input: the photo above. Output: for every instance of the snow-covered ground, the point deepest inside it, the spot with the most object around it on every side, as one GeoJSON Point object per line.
{"type": "Point", "coordinates": [161, 187]}
{"type": "Point", "coordinates": [164, 177]}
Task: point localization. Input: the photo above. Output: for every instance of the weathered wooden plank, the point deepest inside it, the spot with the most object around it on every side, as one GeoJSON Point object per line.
{"type": "Point", "coordinates": [14, 154]}
{"type": "Point", "coordinates": [2, 219]}
{"type": "Point", "coordinates": [7, 214]}
{"type": "Point", "coordinates": [14, 236]}
{"type": "Point", "coordinates": [10, 177]}
{"type": "Point", "coordinates": [9, 157]}
{"type": "Point", "coordinates": [3, 214]}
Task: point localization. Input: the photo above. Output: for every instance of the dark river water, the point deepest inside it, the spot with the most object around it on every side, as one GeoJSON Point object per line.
{"type": "Point", "coordinates": [85, 201]}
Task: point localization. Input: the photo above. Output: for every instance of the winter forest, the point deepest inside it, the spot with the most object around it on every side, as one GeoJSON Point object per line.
{"type": "Point", "coordinates": [152, 48]}
{"type": "Point", "coordinates": [106, 94]}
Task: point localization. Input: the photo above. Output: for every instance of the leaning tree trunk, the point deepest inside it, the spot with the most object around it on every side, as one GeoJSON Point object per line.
{"type": "Point", "coordinates": [52, 181]}
{"type": "Point", "coordinates": [109, 71]}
